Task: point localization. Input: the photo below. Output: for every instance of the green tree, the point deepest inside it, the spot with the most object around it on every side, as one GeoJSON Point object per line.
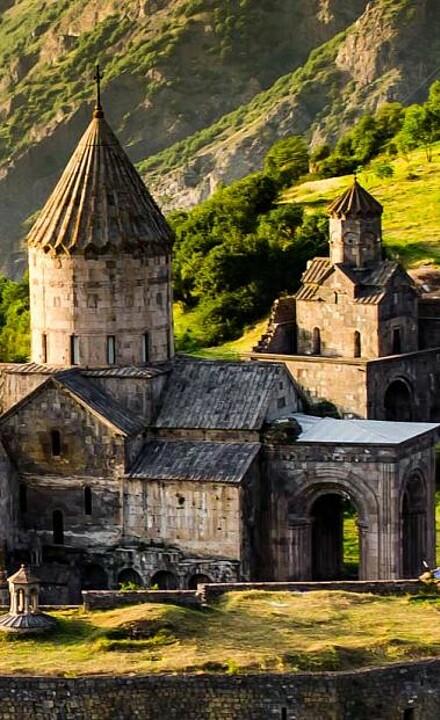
{"type": "Point", "coordinates": [419, 129]}
{"type": "Point", "coordinates": [287, 160]}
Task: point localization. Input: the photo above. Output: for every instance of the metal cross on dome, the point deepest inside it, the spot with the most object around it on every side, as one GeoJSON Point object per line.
{"type": "Point", "coordinates": [98, 77]}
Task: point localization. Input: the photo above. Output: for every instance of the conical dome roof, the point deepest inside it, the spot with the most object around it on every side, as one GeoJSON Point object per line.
{"type": "Point", "coordinates": [100, 204]}
{"type": "Point", "coordinates": [355, 203]}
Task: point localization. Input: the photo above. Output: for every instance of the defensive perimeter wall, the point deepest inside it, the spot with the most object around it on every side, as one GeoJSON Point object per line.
{"type": "Point", "coordinates": [399, 692]}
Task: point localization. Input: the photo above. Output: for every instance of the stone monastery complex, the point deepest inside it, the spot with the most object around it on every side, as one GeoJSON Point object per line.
{"type": "Point", "coordinates": [121, 462]}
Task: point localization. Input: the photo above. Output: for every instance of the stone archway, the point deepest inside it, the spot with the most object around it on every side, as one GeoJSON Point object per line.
{"type": "Point", "coordinates": [164, 580]}
{"type": "Point", "coordinates": [128, 576]}
{"type": "Point", "coordinates": [311, 519]}
{"type": "Point", "coordinates": [198, 579]}
{"type": "Point", "coordinates": [399, 401]}
{"type": "Point", "coordinates": [414, 524]}
{"type": "Point", "coordinates": [328, 536]}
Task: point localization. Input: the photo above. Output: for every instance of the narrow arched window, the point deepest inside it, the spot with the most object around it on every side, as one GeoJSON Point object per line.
{"type": "Point", "coordinates": [111, 349]}
{"type": "Point", "coordinates": [88, 501]}
{"type": "Point", "coordinates": [58, 527]}
{"type": "Point", "coordinates": [357, 344]}
{"type": "Point", "coordinates": [316, 341]}
{"type": "Point", "coordinates": [22, 498]}
{"type": "Point", "coordinates": [397, 342]}
{"type": "Point", "coordinates": [55, 442]}
{"type": "Point", "coordinates": [74, 350]}
{"type": "Point", "coordinates": [44, 347]}
{"type": "Point", "coordinates": [146, 347]}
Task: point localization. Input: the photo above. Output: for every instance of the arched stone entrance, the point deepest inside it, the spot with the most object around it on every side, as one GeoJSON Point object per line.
{"type": "Point", "coordinates": [398, 401]}
{"type": "Point", "coordinates": [414, 526]}
{"type": "Point", "coordinates": [316, 525]}
{"type": "Point", "coordinates": [128, 576]}
{"type": "Point", "coordinates": [327, 514]}
{"type": "Point", "coordinates": [198, 579]}
{"type": "Point", "coordinates": [164, 580]}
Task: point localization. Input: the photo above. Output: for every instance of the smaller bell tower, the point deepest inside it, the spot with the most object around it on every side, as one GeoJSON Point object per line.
{"type": "Point", "coordinates": [356, 229]}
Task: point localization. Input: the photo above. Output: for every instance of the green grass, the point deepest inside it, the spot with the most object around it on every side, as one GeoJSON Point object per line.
{"type": "Point", "coordinates": [411, 201]}
{"type": "Point", "coordinates": [244, 632]}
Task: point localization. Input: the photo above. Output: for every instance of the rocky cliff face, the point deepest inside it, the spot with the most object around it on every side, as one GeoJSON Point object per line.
{"type": "Point", "coordinates": [176, 68]}
{"type": "Point", "coordinates": [390, 53]}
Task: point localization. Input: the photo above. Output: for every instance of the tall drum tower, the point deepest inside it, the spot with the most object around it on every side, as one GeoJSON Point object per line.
{"type": "Point", "coordinates": [100, 262]}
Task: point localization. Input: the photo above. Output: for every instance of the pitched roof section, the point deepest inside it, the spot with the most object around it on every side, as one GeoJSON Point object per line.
{"type": "Point", "coordinates": [23, 576]}
{"type": "Point", "coordinates": [218, 395]}
{"type": "Point", "coordinates": [100, 204]}
{"type": "Point", "coordinates": [317, 270]}
{"type": "Point", "coordinates": [90, 396]}
{"type": "Point", "coordinates": [98, 401]}
{"type": "Point", "coordinates": [355, 203]}
{"type": "Point", "coordinates": [195, 461]}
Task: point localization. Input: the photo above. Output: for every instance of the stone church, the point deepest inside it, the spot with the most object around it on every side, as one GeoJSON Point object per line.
{"type": "Point", "coordinates": [360, 332]}
{"type": "Point", "coordinates": [122, 462]}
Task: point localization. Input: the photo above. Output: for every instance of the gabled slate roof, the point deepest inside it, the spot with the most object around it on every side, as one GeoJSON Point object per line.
{"type": "Point", "coordinates": [218, 395]}
{"type": "Point", "coordinates": [317, 270]}
{"type": "Point", "coordinates": [126, 371]}
{"type": "Point", "coordinates": [355, 202]}
{"type": "Point", "coordinates": [195, 461]}
{"type": "Point", "coordinates": [100, 204]}
{"type": "Point", "coordinates": [98, 401]}
{"type": "Point", "coordinates": [90, 396]}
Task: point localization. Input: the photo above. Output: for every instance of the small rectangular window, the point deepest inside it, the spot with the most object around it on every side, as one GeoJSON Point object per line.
{"type": "Point", "coordinates": [87, 500]}
{"type": "Point", "coordinates": [74, 350]}
{"type": "Point", "coordinates": [111, 349]}
{"type": "Point", "coordinates": [44, 347]}
{"type": "Point", "coordinates": [146, 347]}
{"type": "Point", "coordinates": [55, 439]}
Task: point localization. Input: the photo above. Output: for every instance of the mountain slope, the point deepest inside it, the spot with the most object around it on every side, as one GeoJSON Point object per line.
{"type": "Point", "coordinates": [171, 68]}
{"type": "Point", "coordinates": [392, 52]}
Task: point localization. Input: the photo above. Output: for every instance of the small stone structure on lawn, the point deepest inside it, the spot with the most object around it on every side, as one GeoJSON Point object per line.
{"type": "Point", "coordinates": [24, 615]}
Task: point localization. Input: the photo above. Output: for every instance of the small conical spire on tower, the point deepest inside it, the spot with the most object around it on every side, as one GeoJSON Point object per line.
{"type": "Point", "coordinates": [355, 202]}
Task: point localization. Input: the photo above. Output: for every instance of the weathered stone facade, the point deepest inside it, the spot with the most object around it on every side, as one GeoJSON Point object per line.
{"type": "Point", "coordinates": [360, 333]}
{"type": "Point", "coordinates": [401, 692]}
{"type": "Point", "coordinates": [124, 464]}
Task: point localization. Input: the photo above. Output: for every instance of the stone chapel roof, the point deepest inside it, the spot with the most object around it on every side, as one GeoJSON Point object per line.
{"type": "Point", "coordinates": [98, 401]}
{"type": "Point", "coordinates": [90, 396]}
{"type": "Point", "coordinates": [200, 461]}
{"type": "Point", "coordinates": [218, 395]}
{"type": "Point", "coordinates": [359, 432]}
{"type": "Point", "coordinates": [100, 204]}
{"type": "Point", "coordinates": [355, 202]}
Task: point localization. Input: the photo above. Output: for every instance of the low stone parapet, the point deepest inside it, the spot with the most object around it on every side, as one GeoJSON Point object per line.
{"type": "Point", "coordinates": [109, 599]}
{"type": "Point", "coordinates": [376, 587]}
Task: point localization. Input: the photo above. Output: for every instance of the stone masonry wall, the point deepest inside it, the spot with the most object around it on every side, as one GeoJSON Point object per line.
{"type": "Point", "coordinates": [93, 298]}
{"type": "Point", "coordinates": [392, 693]}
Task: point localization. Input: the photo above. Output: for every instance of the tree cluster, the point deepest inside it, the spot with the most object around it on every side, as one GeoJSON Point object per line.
{"type": "Point", "coordinates": [14, 320]}
{"type": "Point", "coordinates": [393, 129]}
{"type": "Point", "coordinates": [236, 252]}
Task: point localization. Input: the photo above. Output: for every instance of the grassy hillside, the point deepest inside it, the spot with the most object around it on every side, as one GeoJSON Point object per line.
{"type": "Point", "coordinates": [411, 200]}
{"type": "Point", "coordinates": [245, 632]}
{"type": "Point", "coordinates": [411, 224]}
